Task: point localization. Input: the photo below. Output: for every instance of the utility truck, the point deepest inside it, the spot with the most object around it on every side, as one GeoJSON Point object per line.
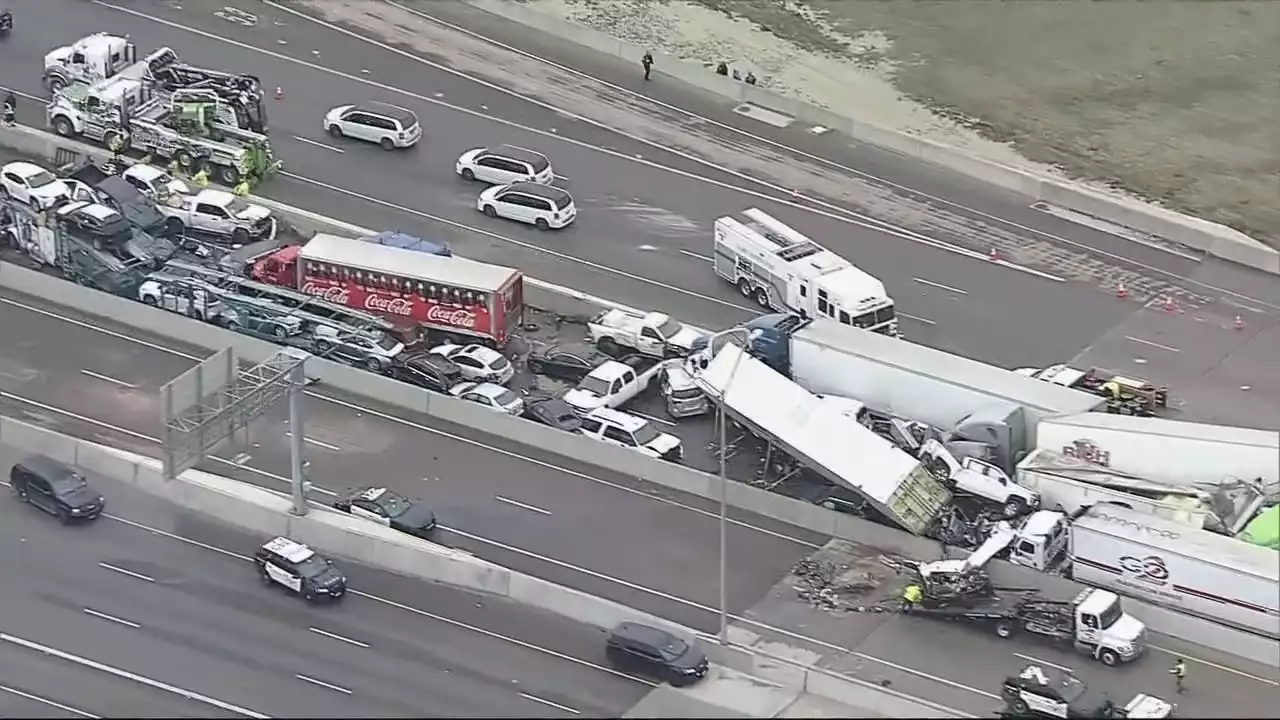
{"type": "Point", "coordinates": [785, 271]}
{"type": "Point", "coordinates": [654, 334]}
{"type": "Point", "coordinates": [1124, 395]}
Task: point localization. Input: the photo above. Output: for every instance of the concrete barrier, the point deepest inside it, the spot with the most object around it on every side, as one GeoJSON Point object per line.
{"type": "Point", "coordinates": [1215, 239]}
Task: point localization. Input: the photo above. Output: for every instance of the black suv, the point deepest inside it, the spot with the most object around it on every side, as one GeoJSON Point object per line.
{"type": "Point", "coordinates": [427, 370]}
{"type": "Point", "coordinates": [297, 567]}
{"type": "Point", "coordinates": [56, 488]}
{"type": "Point", "coordinates": [655, 653]}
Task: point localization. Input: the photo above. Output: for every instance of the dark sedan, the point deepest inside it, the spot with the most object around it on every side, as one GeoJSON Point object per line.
{"type": "Point", "coordinates": [567, 361]}
{"type": "Point", "coordinates": [427, 370]}
{"type": "Point", "coordinates": [389, 508]}
{"type": "Point", "coordinates": [553, 412]}
{"type": "Point", "coordinates": [56, 488]}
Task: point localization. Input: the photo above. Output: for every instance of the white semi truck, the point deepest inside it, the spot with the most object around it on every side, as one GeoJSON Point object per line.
{"type": "Point", "coordinates": [823, 438]}
{"type": "Point", "coordinates": [989, 406]}
{"type": "Point", "coordinates": [1162, 562]}
{"type": "Point", "coordinates": [785, 271]}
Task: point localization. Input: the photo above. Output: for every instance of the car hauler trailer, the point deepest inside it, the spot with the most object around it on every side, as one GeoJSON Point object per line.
{"type": "Point", "coordinates": [784, 271]}
{"type": "Point", "coordinates": [1197, 572]}
{"type": "Point", "coordinates": [1172, 451]}
{"type": "Point", "coordinates": [823, 439]}
{"type": "Point", "coordinates": [974, 401]}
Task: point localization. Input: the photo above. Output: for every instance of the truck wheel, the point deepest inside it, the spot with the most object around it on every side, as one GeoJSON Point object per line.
{"type": "Point", "coordinates": [1004, 629]}
{"type": "Point", "coordinates": [240, 236]}
{"type": "Point", "coordinates": [1014, 507]}
{"type": "Point", "coordinates": [228, 175]}
{"type": "Point", "coordinates": [608, 346]}
{"type": "Point", "coordinates": [762, 298]}
{"type": "Point", "coordinates": [1109, 658]}
{"type": "Point", "coordinates": [175, 228]}
{"type": "Point", "coordinates": [185, 160]}
{"type": "Point", "coordinates": [63, 126]}
{"type": "Point", "coordinates": [744, 287]}
{"type": "Point", "coordinates": [56, 84]}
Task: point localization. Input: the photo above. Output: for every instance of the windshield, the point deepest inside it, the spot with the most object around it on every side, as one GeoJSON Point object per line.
{"type": "Point", "coordinates": [499, 363]}
{"type": "Point", "coordinates": [645, 434]}
{"type": "Point", "coordinates": [594, 385]}
{"type": "Point", "coordinates": [1071, 689]}
{"type": "Point", "coordinates": [506, 398]}
{"type": "Point", "coordinates": [669, 328]}
{"type": "Point", "coordinates": [40, 179]}
{"type": "Point", "coordinates": [68, 484]}
{"type": "Point", "coordinates": [393, 505]}
{"type": "Point", "coordinates": [386, 342]}
{"type": "Point", "coordinates": [1111, 615]}
{"type": "Point", "coordinates": [686, 393]}
{"type": "Point", "coordinates": [237, 206]}
{"type": "Point", "coordinates": [312, 567]}
{"type": "Point", "coordinates": [674, 649]}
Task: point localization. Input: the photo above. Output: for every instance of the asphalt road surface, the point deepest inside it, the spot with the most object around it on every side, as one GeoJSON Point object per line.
{"type": "Point", "coordinates": [144, 624]}
{"type": "Point", "coordinates": [644, 223]}
{"type": "Point", "coordinates": [609, 535]}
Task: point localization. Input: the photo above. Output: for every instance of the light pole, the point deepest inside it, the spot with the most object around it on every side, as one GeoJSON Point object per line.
{"type": "Point", "coordinates": [722, 421]}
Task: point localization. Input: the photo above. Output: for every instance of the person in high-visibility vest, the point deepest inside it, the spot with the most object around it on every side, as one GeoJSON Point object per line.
{"type": "Point", "coordinates": [1179, 672]}
{"type": "Point", "coordinates": [911, 596]}
{"type": "Point", "coordinates": [242, 188]}
{"type": "Point", "coordinates": [201, 179]}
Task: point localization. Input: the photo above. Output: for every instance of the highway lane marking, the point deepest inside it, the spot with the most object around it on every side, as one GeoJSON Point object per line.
{"type": "Point", "coordinates": [50, 703]}
{"type": "Point", "coordinates": [926, 321]}
{"type": "Point", "coordinates": [109, 379]}
{"type": "Point", "coordinates": [104, 331]}
{"type": "Point", "coordinates": [696, 255]}
{"type": "Point", "coordinates": [822, 160]}
{"type": "Point", "coordinates": [313, 441]}
{"type": "Point", "coordinates": [517, 503]}
{"type": "Point", "coordinates": [1038, 661]}
{"type": "Point", "coordinates": [337, 637]}
{"type": "Point", "coordinates": [111, 618]}
{"type": "Point", "coordinates": [1152, 344]}
{"type": "Point", "coordinates": [122, 571]}
{"type": "Point", "coordinates": [548, 703]}
{"type": "Point", "coordinates": [322, 684]}
{"type": "Point", "coordinates": [1217, 666]}
{"type": "Point", "coordinates": [940, 286]}
{"type": "Point", "coordinates": [140, 679]}
{"type": "Point", "coordinates": [318, 144]}
{"type": "Point", "coordinates": [840, 214]}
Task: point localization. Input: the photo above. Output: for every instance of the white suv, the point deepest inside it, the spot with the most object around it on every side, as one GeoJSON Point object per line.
{"type": "Point", "coordinates": [390, 126]}
{"type": "Point", "coordinates": [540, 205]}
{"type": "Point", "coordinates": [504, 165]}
{"type": "Point", "coordinates": [619, 428]}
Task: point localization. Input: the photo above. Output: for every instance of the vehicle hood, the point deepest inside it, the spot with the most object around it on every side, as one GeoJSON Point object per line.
{"type": "Point", "coordinates": [82, 497]}
{"type": "Point", "coordinates": [177, 187]}
{"type": "Point", "coordinates": [335, 113]}
{"type": "Point", "coordinates": [664, 443]}
{"type": "Point", "coordinates": [1128, 628]}
{"type": "Point", "coordinates": [417, 518]}
{"type": "Point", "coordinates": [583, 399]}
{"type": "Point", "coordinates": [694, 659]}
{"type": "Point", "coordinates": [57, 56]}
{"type": "Point", "coordinates": [149, 248]}
{"type": "Point", "coordinates": [57, 188]}
{"type": "Point", "coordinates": [469, 156]}
{"type": "Point", "coordinates": [254, 213]}
{"type": "Point", "coordinates": [685, 338]}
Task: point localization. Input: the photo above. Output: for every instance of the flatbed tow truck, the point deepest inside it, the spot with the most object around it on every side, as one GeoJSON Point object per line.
{"type": "Point", "coordinates": [1124, 395]}
{"type": "Point", "coordinates": [1093, 622]}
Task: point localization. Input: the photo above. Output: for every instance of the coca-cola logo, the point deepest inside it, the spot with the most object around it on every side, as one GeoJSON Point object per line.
{"type": "Point", "coordinates": [453, 317]}
{"type": "Point", "coordinates": [1149, 569]}
{"type": "Point", "coordinates": [332, 294]}
{"type": "Point", "coordinates": [391, 306]}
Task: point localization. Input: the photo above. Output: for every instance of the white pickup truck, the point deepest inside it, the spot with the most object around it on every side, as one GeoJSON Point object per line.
{"type": "Point", "coordinates": [614, 383]}
{"type": "Point", "coordinates": [980, 479]}
{"type": "Point", "coordinates": [653, 334]}
{"type": "Point", "coordinates": [220, 213]}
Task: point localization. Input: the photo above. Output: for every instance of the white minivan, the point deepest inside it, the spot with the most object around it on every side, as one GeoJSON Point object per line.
{"type": "Point", "coordinates": [390, 126]}
{"type": "Point", "coordinates": [543, 206]}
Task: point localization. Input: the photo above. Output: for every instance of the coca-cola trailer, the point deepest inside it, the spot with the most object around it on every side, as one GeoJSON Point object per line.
{"type": "Point", "coordinates": [446, 294]}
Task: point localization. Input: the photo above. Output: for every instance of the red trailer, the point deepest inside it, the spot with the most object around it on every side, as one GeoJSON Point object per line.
{"type": "Point", "coordinates": [446, 294]}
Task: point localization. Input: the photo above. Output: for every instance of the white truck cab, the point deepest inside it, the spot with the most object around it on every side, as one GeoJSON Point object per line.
{"type": "Point", "coordinates": [1104, 630]}
{"type": "Point", "coordinates": [89, 59]}
{"type": "Point", "coordinates": [613, 384]}
{"type": "Point", "coordinates": [218, 212]}
{"type": "Point", "coordinates": [978, 478]}
{"type": "Point", "coordinates": [654, 334]}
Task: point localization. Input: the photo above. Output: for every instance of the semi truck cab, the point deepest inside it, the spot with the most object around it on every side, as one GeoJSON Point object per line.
{"type": "Point", "coordinates": [1104, 630]}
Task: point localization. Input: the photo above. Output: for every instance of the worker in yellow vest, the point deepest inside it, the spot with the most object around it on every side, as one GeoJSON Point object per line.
{"type": "Point", "coordinates": [911, 596]}
{"type": "Point", "coordinates": [201, 179]}
{"type": "Point", "coordinates": [242, 188]}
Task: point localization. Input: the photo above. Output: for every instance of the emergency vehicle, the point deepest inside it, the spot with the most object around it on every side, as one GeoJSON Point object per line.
{"type": "Point", "coordinates": [449, 295]}
{"type": "Point", "coordinates": [783, 270]}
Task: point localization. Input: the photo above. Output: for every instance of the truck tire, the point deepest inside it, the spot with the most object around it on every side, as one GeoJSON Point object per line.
{"type": "Point", "coordinates": [62, 126]}
{"type": "Point", "coordinates": [762, 298]}
{"type": "Point", "coordinates": [1014, 507]}
{"type": "Point", "coordinates": [185, 160]}
{"type": "Point", "coordinates": [608, 346]}
{"type": "Point", "coordinates": [240, 236]}
{"type": "Point", "coordinates": [175, 227]}
{"type": "Point", "coordinates": [744, 287]}
{"type": "Point", "coordinates": [1004, 629]}
{"type": "Point", "coordinates": [1108, 657]}
{"type": "Point", "coordinates": [56, 83]}
{"type": "Point", "coordinates": [227, 175]}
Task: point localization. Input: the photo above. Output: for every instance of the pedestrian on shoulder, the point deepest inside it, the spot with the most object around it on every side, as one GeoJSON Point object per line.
{"type": "Point", "coordinates": [647, 63]}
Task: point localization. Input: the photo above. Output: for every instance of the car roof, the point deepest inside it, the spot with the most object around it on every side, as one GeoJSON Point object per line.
{"type": "Point", "coordinates": [403, 115]}
{"type": "Point", "coordinates": [144, 172]}
{"type": "Point", "coordinates": [118, 188]}
{"type": "Point", "coordinates": [428, 358]}
{"type": "Point", "coordinates": [626, 421]}
{"type": "Point", "coordinates": [492, 390]}
{"type": "Point", "coordinates": [515, 152]}
{"type": "Point", "coordinates": [47, 466]}
{"type": "Point", "coordinates": [543, 191]}
{"type": "Point", "coordinates": [647, 634]}
{"type": "Point", "coordinates": [216, 197]}
{"type": "Point", "coordinates": [290, 550]}
{"type": "Point", "coordinates": [23, 169]}
{"type": "Point", "coordinates": [99, 212]}
{"type": "Point", "coordinates": [481, 352]}
{"type": "Point", "coordinates": [581, 349]}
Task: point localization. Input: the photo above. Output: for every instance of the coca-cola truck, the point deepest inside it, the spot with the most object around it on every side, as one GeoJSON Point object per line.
{"type": "Point", "coordinates": [448, 295]}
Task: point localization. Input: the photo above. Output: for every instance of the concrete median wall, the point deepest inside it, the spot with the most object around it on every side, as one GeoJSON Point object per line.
{"type": "Point", "coordinates": [1212, 238]}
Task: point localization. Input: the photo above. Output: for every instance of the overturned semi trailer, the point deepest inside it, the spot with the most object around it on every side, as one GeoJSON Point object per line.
{"type": "Point", "coordinates": [824, 439]}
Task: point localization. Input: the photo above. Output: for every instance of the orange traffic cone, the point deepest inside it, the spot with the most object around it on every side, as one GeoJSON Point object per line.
{"type": "Point", "coordinates": [995, 255]}
{"type": "Point", "coordinates": [1168, 304]}
{"type": "Point", "coordinates": [1121, 292]}
{"type": "Point", "coordinates": [279, 93]}
{"type": "Point", "coordinates": [1239, 323]}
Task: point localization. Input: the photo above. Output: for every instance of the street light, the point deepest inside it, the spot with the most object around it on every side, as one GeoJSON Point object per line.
{"type": "Point", "coordinates": [704, 361]}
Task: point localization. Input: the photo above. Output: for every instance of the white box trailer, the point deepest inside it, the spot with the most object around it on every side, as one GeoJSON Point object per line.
{"type": "Point", "coordinates": [1193, 571]}
{"type": "Point", "coordinates": [916, 382]}
{"type": "Point", "coordinates": [1069, 485]}
{"type": "Point", "coordinates": [823, 438]}
{"type": "Point", "coordinates": [1172, 451]}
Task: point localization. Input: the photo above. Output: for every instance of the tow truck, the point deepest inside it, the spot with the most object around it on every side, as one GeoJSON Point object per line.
{"type": "Point", "coordinates": [187, 126]}
{"type": "Point", "coordinates": [1039, 692]}
{"type": "Point", "coordinates": [89, 59]}
{"type": "Point", "coordinates": [1125, 395]}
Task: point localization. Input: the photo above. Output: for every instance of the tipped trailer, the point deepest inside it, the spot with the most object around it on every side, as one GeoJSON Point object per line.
{"type": "Point", "coordinates": [785, 271]}
{"type": "Point", "coordinates": [822, 438]}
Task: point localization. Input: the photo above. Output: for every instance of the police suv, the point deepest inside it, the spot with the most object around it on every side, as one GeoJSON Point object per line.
{"type": "Point", "coordinates": [298, 567]}
{"type": "Point", "coordinates": [389, 508]}
{"type": "Point", "coordinates": [1037, 692]}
